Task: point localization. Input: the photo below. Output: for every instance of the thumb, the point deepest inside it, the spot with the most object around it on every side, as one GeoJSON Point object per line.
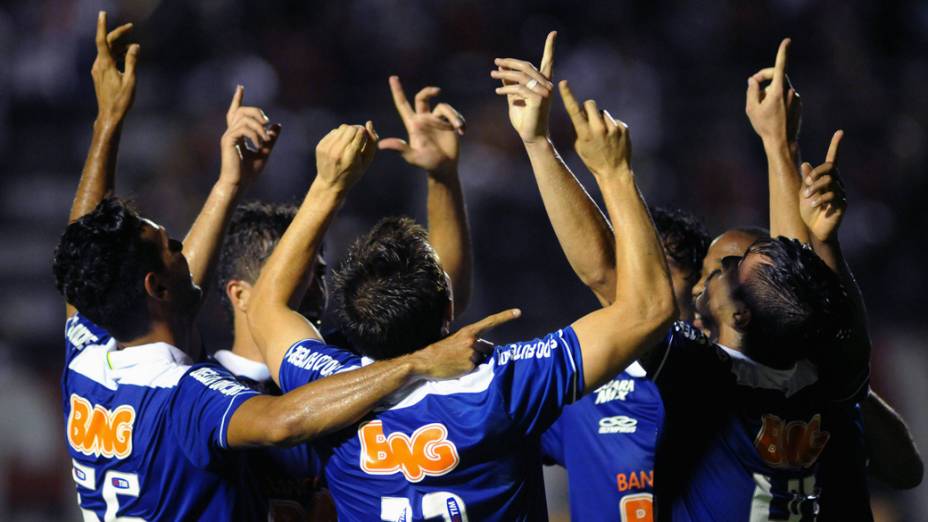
{"type": "Point", "coordinates": [396, 144]}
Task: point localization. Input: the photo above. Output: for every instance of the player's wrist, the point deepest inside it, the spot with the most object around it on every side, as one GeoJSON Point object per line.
{"type": "Point", "coordinates": [538, 144]}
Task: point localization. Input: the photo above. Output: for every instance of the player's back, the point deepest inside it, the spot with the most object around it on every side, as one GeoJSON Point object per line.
{"type": "Point", "coordinates": [741, 441]}
{"type": "Point", "coordinates": [462, 449]}
{"type": "Point", "coordinates": [146, 432]}
{"type": "Point", "coordinates": [607, 442]}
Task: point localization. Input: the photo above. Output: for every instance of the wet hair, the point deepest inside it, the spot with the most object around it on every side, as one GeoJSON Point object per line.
{"type": "Point", "coordinates": [100, 265]}
{"type": "Point", "coordinates": [683, 236]}
{"type": "Point", "coordinates": [391, 295]}
{"type": "Point", "coordinates": [254, 230]}
{"type": "Point", "coordinates": [797, 303]}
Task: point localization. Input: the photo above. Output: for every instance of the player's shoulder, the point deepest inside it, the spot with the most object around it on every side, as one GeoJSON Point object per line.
{"type": "Point", "coordinates": [211, 376]}
{"type": "Point", "coordinates": [538, 348]}
{"type": "Point", "coordinates": [320, 357]}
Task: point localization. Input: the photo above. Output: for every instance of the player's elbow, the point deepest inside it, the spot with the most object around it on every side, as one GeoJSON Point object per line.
{"type": "Point", "coordinates": [285, 429]}
{"type": "Point", "coordinates": [602, 283]}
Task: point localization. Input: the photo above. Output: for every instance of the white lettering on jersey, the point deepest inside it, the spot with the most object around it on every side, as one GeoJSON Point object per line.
{"type": "Point", "coordinates": [307, 359]}
{"type": "Point", "coordinates": [218, 382]}
{"type": "Point", "coordinates": [80, 336]}
{"type": "Point", "coordinates": [617, 424]}
{"type": "Point", "coordinates": [540, 350]}
{"type": "Point", "coordinates": [616, 389]}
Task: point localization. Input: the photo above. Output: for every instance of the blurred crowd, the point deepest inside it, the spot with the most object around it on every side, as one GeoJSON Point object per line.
{"type": "Point", "coordinates": [674, 71]}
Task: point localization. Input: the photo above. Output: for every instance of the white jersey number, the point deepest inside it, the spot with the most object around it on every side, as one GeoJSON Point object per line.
{"type": "Point", "coordinates": [442, 504]}
{"type": "Point", "coordinates": [115, 484]}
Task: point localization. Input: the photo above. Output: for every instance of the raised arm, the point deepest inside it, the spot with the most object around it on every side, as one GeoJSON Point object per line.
{"type": "Point", "coordinates": [332, 403]}
{"type": "Point", "coordinates": [644, 306]}
{"type": "Point", "coordinates": [239, 168]}
{"type": "Point", "coordinates": [434, 146]}
{"type": "Point", "coordinates": [822, 203]}
{"type": "Point", "coordinates": [341, 157]}
{"type": "Point", "coordinates": [774, 114]}
{"type": "Point", "coordinates": [115, 91]}
{"type": "Point", "coordinates": [894, 457]}
{"type": "Point", "coordinates": [583, 232]}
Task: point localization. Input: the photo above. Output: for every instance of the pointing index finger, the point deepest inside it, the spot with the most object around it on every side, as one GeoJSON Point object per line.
{"type": "Point", "coordinates": [399, 98]}
{"type": "Point", "coordinates": [103, 50]}
{"type": "Point", "coordinates": [832, 155]}
{"type": "Point", "coordinates": [573, 108]}
{"type": "Point", "coordinates": [237, 99]}
{"type": "Point", "coordinates": [494, 320]}
{"type": "Point", "coordinates": [547, 59]}
{"type": "Point", "coordinates": [779, 68]}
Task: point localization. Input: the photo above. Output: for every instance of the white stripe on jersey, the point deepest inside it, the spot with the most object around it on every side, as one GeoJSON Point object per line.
{"type": "Point", "coordinates": [749, 372]}
{"type": "Point", "coordinates": [573, 366]}
{"type": "Point", "coordinates": [156, 365]}
{"type": "Point", "coordinates": [476, 381]}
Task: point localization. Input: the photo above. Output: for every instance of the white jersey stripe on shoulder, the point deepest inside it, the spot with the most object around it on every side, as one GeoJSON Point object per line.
{"type": "Point", "coordinates": [573, 365]}
{"type": "Point", "coordinates": [476, 381]}
{"type": "Point", "coordinates": [91, 363]}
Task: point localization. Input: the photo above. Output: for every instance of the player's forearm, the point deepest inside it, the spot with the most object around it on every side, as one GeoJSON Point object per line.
{"type": "Point", "coordinates": [449, 233]}
{"type": "Point", "coordinates": [783, 182]}
{"type": "Point", "coordinates": [583, 232]}
{"type": "Point", "coordinates": [320, 407]}
{"type": "Point", "coordinates": [894, 457]}
{"type": "Point", "coordinates": [98, 177]}
{"type": "Point", "coordinates": [201, 245]}
{"type": "Point", "coordinates": [642, 277]}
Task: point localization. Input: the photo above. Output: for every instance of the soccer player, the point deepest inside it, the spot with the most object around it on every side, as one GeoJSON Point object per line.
{"type": "Point", "coordinates": [606, 440]}
{"type": "Point", "coordinates": [775, 116]}
{"type": "Point", "coordinates": [150, 433]}
{"type": "Point", "coordinates": [286, 475]}
{"type": "Point", "coordinates": [466, 448]}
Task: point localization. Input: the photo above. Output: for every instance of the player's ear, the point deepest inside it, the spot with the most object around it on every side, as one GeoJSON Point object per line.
{"type": "Point", "coordinates": [239, 293]}
{"type": "Point", "coordinates": [741, 317]}
{"type": "Point", "coordinates": [155, 286]}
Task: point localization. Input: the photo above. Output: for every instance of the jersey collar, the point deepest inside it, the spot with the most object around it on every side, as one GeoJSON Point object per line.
{"type": "Point", "coordinates": [242, 366]}
{"type": "Point", "coordinates": [749, 372]}
{"type": "Point", "coordinates": [145, 354]}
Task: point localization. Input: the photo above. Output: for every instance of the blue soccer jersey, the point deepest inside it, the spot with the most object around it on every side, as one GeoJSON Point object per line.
{"type": "Point", "coordinates": [146, 432]}
{"type": "Point", "coordinates": [607, 442]}
{"type": "Point", "coordinates": [462, 449]}
{"type": "Point", "coordinates": [741, 441]}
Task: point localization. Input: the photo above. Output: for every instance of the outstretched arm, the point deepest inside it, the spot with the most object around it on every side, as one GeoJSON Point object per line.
{"type": "Point", "coordinates": [774, 114]}
{"type": "Point", "coordinates": [434, 146]}
{"type": "Point", "coordinates": [332, 403]}
{"type": "Point", "coordinates": [240, 166]}
{"type": "Point", "coordinates": [644, 305]}
{"type": "Point", "coordinates": [115, 92]}
{"type": "Point", "coordinates": [583, 232]}
{"type": "Point", "coordinates": [894, 457]}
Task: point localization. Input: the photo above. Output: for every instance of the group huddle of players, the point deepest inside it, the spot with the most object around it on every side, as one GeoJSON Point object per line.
{"type": "Point", "coordinates": [720, 381]}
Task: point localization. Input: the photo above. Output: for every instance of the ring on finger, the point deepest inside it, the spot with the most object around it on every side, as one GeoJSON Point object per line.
{"type": "Point", "coordinates": [532, 84]}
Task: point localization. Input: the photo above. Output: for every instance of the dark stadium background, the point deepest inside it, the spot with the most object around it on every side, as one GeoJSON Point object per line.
{"type": "Point", "coordinates": [674, 71]}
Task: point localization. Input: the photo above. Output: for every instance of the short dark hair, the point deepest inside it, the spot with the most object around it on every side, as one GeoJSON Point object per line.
{"type": "Point", "coordinates": [391, 295]}
{"type": "Point", "coordinates": [254, 230]}
{"type": "Point", "coordinates": [100, 265]}
{"type": "Point", "coordinates": [797, 303]}
{"type": "Point", "coordinates": [683, 236]}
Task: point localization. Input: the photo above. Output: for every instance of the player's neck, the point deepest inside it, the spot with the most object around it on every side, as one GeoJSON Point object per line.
{"type": "Point", "coordinates": [160, 332]}
{"type": "Point", "coordinates": [244, 345]}
{"type": "Point", "coordinates": [730, 338]}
